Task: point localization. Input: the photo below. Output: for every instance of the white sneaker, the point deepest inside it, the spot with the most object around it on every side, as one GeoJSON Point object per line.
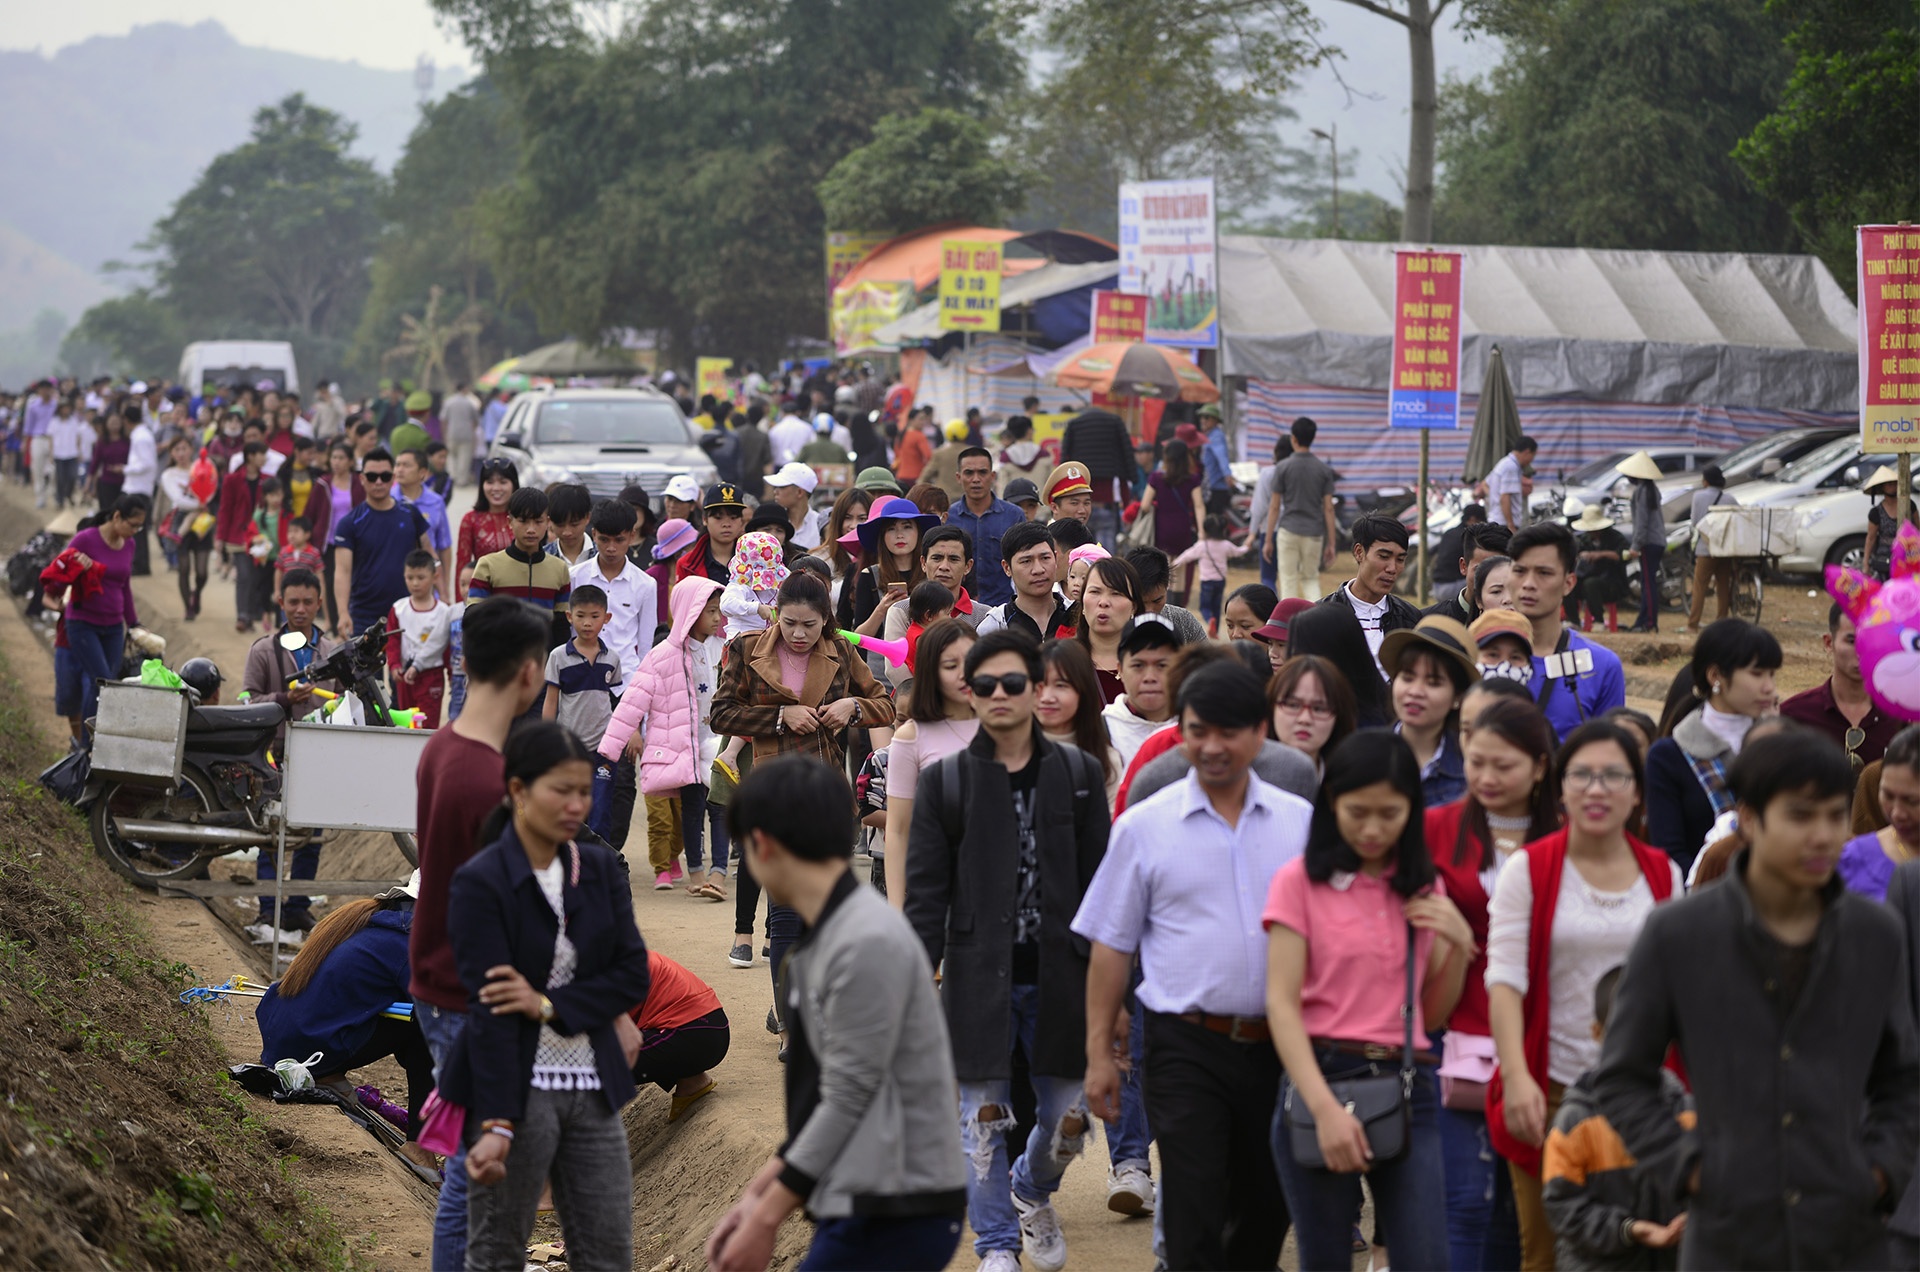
{"type": "Point", "coordinates": [1040, 1234]}
{"type": "Point", "coordinates": [1000, 1261]}
{"type": "Point", "coordinates": [262, 934]}
{"type": "Point", "coordinates": [1130, 1191]}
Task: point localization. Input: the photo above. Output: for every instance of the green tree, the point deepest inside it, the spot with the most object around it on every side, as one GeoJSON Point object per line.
{"type": "Point", "coordinates": [669, 162]}
{"type": "Point", "coordinates": [466, 146]}
{"type": "Point", "coordinates": [136, 334]}
{"type": "Point", "coordinates": [1149, 91]}
{"type": "Point", "coordinates": [1843, 147]}
{"type": "Point", "coordinates": [938, 165]}
{"type": "Point", "coordinates": [276, 233]}
{"type": "Point", "coordinates": [1611, 123]}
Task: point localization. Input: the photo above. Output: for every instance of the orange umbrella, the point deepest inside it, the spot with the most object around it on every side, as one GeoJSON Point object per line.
{"type": "Point", "coordinates": [1126, 368]}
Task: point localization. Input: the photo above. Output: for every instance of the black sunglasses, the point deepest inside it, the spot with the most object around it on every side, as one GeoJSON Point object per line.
{"type": "Point", "coordinates": [1014, 682]}
{"type": "Point", "coordinates": [386, 476]}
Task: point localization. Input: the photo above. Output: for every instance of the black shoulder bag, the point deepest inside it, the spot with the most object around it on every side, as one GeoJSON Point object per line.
{"type": "Point", "coordinates": [1383, 1102]}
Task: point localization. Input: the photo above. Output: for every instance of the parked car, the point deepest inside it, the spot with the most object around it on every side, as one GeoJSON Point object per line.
{"type": "Point", "coordinates": [1831, 528]}
{"type": "Point", "coordinates": [605, 439]}
{"type": "Point", "coordinates": [1757, 460]}
{"type": "Point", "coordinates": [1600, 481]}
{"type": "Point", "coordinates": [1833, 466]}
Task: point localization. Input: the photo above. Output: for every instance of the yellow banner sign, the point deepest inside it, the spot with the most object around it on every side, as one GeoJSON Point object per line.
{"type": "Point", "coordinates": [710, 376]}
{"type": "Point", "coordinates": [862, 309]}
{"type": "Point", "coordinates": [847, 248]}
{"type": "Point", "coordinates": [969, 285]}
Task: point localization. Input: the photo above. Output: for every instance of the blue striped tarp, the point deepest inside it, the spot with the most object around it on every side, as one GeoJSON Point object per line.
{"type": "Point", "coordinates": [1355, 439]}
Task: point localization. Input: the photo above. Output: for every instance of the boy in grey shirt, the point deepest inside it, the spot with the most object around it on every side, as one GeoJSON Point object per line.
{"type": "Point", "coordinates": [873, 1148]}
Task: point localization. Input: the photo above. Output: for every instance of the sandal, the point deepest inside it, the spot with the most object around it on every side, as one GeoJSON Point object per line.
{"type": "Point", "coordinates": [709, 890]}
{"type": "Point", "coordinates": [681, 1103]}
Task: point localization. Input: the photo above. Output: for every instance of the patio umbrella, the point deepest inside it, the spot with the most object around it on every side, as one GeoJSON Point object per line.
{"type": "Point", "coordinates": [494, 376]}
{"type": "Point", "coordinates": [1125, 368]}
{"type": "Point", "coordinates": [570, 357]}
{"type": "Point", "coordinates": [1496, 424]}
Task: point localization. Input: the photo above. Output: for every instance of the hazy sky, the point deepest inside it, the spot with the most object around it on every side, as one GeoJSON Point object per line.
{"type": "Point", "coordinates": [385, 33]}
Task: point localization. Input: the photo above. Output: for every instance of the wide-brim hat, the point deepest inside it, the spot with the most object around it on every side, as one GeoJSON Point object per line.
{"type": "Point", "coordinates": [1283, 614]}
{"type": "Point", "coordinates": [1882, 476]}
{"type": "Point", "coordinates": [1591, 518]}
{"type": "Point", "coordinates": [676, 535]}
{"type": "Point", "coordinates": [892, 508]}
{"type": "Point", "coordinates": [1640, 465]}
{"type": "Point", "coordinates": [1495, 623]}
{"type": "Point", "coordinates": [1445, 636]}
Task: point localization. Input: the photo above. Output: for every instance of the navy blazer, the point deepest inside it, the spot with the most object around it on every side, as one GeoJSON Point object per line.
{"type": "Point", "coordinates": [497, 914]}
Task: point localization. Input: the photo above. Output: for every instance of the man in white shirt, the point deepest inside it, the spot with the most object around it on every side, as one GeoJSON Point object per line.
{"type": "Point", "coordinates": [1379, 554]}
{"type": "Point", "coordinates": [633, 602]}
{"type": "Point", "coordinates": [787, 437]}
{"type": "Point", "coordinates": [1506, 501]}
{"type": "Point", "coordinates": [793, 488]}
{"type": "Point", "coordinates": [329, 417]}
{"type": "Point", "coordinates": [142, 474]}
{"type": "Point", "coordinates": [460, 421]}
{"type": "Point", "coordinates": [1147, 648]}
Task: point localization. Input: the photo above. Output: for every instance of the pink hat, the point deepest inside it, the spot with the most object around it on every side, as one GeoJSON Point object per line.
{"type": "Point", "coordinates": [1087, 552]}
{"type": "Point", "coordinates": [675, 535]}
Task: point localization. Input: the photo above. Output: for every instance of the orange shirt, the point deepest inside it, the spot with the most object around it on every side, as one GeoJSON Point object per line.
{"type": "Point", "coordinates": [911, 456]}
{"type": "Point", "coordinates": [676, 996]}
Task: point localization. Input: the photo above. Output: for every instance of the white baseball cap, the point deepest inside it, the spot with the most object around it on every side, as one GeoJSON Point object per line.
{"type": "Point", "coordinates": [683, 488]}
{"type": "Point", "coordinates": [795, 474]}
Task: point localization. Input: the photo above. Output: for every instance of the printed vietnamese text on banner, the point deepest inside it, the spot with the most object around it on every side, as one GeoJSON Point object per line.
{"type": "Point", "coordinates": [861, 309]}
{"type": "Point", "coordinates": [969, 285]}
{"type": "Point", "coordinates": [1167, 242]}
{"type": "Point", "coordinates": [1889, 274]}
{"type": "Point", "coordinates": [710, 375]}
{"type": "Point", "coordinates": [1425, 388]}
{"type": "Point", "coordinates": [847, 248]}
{"type": "Point", "coordinates": [1119, 316]}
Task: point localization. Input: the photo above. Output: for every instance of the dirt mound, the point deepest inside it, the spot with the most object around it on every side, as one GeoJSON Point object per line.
{"type": "Point", "coordinates": [122, 1143]}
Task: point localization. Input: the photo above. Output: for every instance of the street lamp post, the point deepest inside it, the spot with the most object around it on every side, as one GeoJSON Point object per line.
{"type": "Point", "coordinates": [1331, 135]}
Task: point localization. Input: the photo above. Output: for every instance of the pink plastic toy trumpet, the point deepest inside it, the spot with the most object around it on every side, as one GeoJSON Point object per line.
{"type": "Point", "coordinates": [894, 651]}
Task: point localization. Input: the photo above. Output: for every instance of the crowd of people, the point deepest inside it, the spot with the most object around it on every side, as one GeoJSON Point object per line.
{"type": "Point", "coordinates": [1328, 897]}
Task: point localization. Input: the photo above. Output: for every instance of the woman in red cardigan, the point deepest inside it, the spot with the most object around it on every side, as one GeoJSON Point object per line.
{"type": "Point", "coordinates": [1565, 911]}
{"type": "Point", "coordinates": [1509, 802]}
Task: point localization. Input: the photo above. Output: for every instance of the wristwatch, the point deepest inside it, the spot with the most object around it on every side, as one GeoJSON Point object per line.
{"type": "Point", "coordinates": [1626, 1232]}
{"type": "Point", "coordinates": [546, 1010]}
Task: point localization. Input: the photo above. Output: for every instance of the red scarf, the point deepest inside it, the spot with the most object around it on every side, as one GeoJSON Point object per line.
{"type": "Point", "coordinates": [1546, 858]}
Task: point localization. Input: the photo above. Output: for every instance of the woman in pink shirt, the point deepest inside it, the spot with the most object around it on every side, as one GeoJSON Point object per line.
{"type": "Point", "coordinates": [1342, 922]}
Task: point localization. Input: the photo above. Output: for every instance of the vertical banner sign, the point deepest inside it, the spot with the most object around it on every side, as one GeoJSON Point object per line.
{"type": "Point", "coordinates": [1119, 316]}
{"type": "Point", "coordinates": [1167, 254]}
{"type": "Point", "coordinates": [1889, 264]}
{"type": "Point", "coordinates": [847, 248]}
{"type": "Point", "coordinates": [710, 376]}
{"type": "Point", "coordinates": [1425, 388]}
{"type": "Point", "coordinates": [861, 309]}
{"type": "Point", "coordinates": [969, 285]}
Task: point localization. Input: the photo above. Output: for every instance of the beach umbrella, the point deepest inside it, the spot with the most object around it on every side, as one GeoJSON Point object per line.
{"type": "Point", "coordinates": [1496, 424]}
{"type": "Point", "coordinates": [1125, 368]}
{"type": "Point", "coordinates": [570, 358]}
{"type": "Point", "coordinates": [495, 376]}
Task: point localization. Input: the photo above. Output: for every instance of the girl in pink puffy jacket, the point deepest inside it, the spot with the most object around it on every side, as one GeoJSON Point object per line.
{"type": "Point", "coordinates": [672, 691]}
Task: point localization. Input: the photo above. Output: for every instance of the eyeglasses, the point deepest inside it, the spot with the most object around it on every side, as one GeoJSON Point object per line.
{"type": "Point", "coordinates": [1014, 682]}
{"type": "Point", "coordinates": [1856, 738]}
{"type": "Point", "coordinates": [1612, 780]}
{"type": "Point", "coordinates": [370, 476]}
{"type": "Point", "coordinates": [1318, 710]}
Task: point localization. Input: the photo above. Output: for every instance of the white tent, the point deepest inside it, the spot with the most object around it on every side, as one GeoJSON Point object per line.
{"type": "Point", "coordinates": [1773, 332]}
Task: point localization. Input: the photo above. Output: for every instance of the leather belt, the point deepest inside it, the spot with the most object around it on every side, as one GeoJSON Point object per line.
{"type": "Point", "coordinates": [1235, 1028]}
{"type": "Point", "coordinates": [1373, 1050]}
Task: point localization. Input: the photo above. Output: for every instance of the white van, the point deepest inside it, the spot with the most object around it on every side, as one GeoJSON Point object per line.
{"type": "Point", "coordinates": [246, 361]}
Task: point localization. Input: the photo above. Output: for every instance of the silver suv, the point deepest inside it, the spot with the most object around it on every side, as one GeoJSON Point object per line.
{"type": "Point", "coordinates": [604, 439]}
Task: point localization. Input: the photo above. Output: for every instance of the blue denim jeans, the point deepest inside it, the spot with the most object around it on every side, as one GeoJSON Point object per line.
{"type": "Point", "coordinates": [1409, 1193]}
{"type": "Point", "coordinates": [1129, 1136]}
{"type": "Point", "coordinates": [1036, 1175]}
{"type": "Point", "coordinates": [442, 1030]}
{"type": "Point", "coordinates": [95, 652]}
{"type": "Point", "coordinates": [861, 1243]}
{"type": "Point", "coordinates": [303, 862]}
{"type": "Point", "coordinates": [696, 816]}
{"type": "Point", "coordinates": [1483, 1228]}
{"type": "Point", "coordinates": [1270, 567]}
{"type": "Point", "coordinates": [1104, 524]}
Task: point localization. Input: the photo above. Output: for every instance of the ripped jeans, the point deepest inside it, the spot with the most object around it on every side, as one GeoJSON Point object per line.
{"type": "Point", "coordinates": [1036, 1175]}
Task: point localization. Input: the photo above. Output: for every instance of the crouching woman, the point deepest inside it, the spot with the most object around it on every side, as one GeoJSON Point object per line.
{"type": "Point", "coordinates": [543, 933]}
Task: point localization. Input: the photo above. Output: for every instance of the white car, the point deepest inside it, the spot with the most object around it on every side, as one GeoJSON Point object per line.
{"type": "Point", "coordinates": [1834, 466]}
{"type": "Point", "coordinates": [1758, 460]}
{"type": "Point", "coordinates": [604, 439]}
{"type": "Point", "coordinates": [1830, 529]}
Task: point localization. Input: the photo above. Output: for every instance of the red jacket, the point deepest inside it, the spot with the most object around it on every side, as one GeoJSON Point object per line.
{"type": "Point", "coordinates": [65, 572]}
{"type": "Point", "coordinates": [1470, 898]}
{"type": "Point", "coordinates": [236, 507]}
{"type": "Point", "coordinates": [693, 564]}
{"type": "Point", "coordinates": [1546, 858]}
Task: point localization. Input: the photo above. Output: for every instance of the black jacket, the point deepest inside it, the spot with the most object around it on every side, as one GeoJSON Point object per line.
{"type": "Point", "coordinates": [1903, 894]}
{"type": "Point", "coordinates": [1100, 440]}
{"type": "Point", "coordinates": [1793, 1116]}
{"type": "Point", "coordinates": [1401, 613]}
{"type": "Point", "coordinates": [963, 857]}
{"type": "Point", "coordinates": [497, 914]}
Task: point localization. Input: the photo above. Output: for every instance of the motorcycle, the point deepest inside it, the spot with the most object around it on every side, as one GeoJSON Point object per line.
{"type": "Point", "coordinates": [228, 796]}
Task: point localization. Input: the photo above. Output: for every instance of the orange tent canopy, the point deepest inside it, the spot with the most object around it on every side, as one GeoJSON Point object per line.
{"type": "Point", "coordinates": [915, 257]}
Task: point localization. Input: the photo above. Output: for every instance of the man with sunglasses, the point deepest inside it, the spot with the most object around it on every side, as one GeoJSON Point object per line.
{"type": "Point", "coordinates": [369, 566]}
{"type": "Point", "coordinates": [1006, 838]}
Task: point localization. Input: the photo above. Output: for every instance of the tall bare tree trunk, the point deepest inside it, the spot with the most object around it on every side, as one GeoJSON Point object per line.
{"type": "Point", "coordinates": [1416, 223]}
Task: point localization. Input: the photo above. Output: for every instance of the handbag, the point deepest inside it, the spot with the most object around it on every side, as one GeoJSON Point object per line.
{"type": "Point", "coordinates": [1467, 1062]}
{"type": "Point", "coordinates": [442, 1125]}
{"type": "Point", "coordinates": [1383, 1102]}
{"type": "Point", "coordinates": [1140, 533]}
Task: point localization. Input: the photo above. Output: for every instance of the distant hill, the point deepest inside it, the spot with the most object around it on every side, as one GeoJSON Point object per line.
{"type": "Point", "coordinates": [98, 140]}
{"type": "Point", "coordinates": [35, 277]}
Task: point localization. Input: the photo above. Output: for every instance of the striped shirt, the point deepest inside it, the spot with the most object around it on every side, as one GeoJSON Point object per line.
{"type": "Point", "coordinates": [544, 580]}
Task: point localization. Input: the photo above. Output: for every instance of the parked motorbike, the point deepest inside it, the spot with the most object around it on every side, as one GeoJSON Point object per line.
{"type": "Point", "coordinates": [229, 790]}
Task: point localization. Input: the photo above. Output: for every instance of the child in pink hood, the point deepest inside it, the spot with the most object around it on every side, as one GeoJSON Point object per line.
{"type": "Point", "coordinates": [672, 691]}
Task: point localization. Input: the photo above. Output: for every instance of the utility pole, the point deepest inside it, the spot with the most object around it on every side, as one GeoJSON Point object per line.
{"type": "Point", "coordinates": [1331, 135]}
